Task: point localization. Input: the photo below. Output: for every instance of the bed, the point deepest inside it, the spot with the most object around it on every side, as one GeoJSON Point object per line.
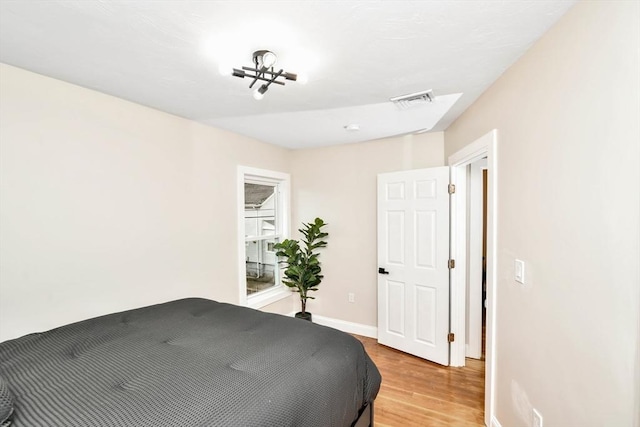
{"type": "Point", "coordinates": [190, 362]}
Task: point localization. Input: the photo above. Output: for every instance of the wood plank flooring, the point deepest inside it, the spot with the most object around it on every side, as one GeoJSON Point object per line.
{"type": "Point", "coordinates": [416, 392]}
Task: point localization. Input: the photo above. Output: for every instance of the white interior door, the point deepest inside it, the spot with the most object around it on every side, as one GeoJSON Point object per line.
{"type": "Point", "coordinates": [413, 254]}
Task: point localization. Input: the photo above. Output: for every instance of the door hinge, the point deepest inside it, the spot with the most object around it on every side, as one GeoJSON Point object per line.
{"type": "Point", "coordinates": [451, 337]}
{"type": "Point", "coordinates": [452, 188]}
{"type": "Point", "coordinates": [452, 263]}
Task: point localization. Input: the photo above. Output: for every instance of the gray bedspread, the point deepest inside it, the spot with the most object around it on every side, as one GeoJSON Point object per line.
{"type": "Point", "coordinates": [191, 362]}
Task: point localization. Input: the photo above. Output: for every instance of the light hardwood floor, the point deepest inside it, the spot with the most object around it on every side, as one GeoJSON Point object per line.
{"type": "Point", "coordinates": [416, 392]}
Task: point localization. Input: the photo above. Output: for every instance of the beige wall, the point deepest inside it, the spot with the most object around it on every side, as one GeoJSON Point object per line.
{"type": "Point", "coordinates": [568, 204]}
{"type": "Point", "coordinates": [338, 184]}
{"type": "Point", "coordinates": [108, 205]}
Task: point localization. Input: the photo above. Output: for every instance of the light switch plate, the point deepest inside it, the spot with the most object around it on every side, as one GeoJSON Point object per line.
{"type": "Point", "coordinates": [519, 271]}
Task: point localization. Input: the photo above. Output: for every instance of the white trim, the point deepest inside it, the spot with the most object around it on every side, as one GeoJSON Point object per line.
{"type": "Point", "coordinates": [477, 150]}
{"type": "Point", "coordinates": [494, 422]}
{"type": "Point", "coordinates": [485, 146]}
{"type": "Point", "coordinates": [283, 180]}
{"type": "Point", "coordinates": [269, 296]}
{"type": "Point", "coordinates": [344, 326]}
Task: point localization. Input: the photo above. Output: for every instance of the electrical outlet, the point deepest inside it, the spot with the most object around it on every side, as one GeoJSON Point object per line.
{"type": "Point", "coordinates": [537, 418]}
{"type": "Point", "coordinates": [352, 297]}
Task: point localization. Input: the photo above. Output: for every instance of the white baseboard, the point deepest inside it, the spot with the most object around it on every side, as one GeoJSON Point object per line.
{"type": "Point", "coordinates": [494, 422]}
{"type": "Point", "coordinates": [344, 326]}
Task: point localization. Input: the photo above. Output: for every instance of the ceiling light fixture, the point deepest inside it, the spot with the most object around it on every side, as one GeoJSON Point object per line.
{"type": "Point", "coordinates": [263, 61]}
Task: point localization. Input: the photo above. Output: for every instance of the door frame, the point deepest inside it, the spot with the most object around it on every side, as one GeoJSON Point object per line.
{"type": "Point", "coordinates": [485, 146]}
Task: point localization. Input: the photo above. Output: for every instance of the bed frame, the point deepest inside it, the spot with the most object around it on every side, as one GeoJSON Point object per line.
{"type": "Point", "coordinates": [365, 418]}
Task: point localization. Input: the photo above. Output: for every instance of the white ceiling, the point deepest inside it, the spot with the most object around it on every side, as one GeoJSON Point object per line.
{"type": "Point", "coordinates": [356, 54]}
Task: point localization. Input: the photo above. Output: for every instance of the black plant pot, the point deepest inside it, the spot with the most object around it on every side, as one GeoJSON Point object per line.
{"type": "Point", "coordinates": [306, 315]}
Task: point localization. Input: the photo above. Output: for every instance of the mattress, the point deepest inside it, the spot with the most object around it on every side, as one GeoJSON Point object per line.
{"type": "Point", "coordinates": [190, 362]}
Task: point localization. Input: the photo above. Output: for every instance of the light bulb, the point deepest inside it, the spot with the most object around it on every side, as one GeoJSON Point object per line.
{"type": "Point", "coordinates": [225, 69]}
{"type": "Point", "coordinates": [269, 59]}
{"type": "Point", "coordinates": [303, 78]}
{"type": "Point", "coordinates": [257, 95]}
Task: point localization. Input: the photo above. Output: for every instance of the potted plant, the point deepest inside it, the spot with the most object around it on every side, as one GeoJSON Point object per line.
{"type": "Point", "coordinates": [303, 270]}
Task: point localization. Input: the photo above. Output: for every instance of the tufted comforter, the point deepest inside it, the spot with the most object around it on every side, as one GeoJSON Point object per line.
{"type": "Point", "coordinates": [191, 362]}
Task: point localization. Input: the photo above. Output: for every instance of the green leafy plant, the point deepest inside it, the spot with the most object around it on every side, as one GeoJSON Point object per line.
{"type": "Point", "coordinates": [303, 270]}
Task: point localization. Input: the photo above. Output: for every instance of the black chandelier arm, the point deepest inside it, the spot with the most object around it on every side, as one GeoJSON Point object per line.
{"type": "Point", "coordinates": [242, 75]}
{"type": "Point", "coordinates": [260, 76]}
{"type": "Point", "coordinates": [273, 79]}
{"type": "Point", "coordinates": [261, 71]}
{"type": "Point", "coordinates": [258, 71]}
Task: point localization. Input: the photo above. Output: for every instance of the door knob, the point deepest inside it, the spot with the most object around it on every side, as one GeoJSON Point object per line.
{"type": "Point", "coordinates": [382, 271]}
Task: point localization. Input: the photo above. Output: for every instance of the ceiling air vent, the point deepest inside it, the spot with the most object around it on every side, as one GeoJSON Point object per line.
{"type": "Point", "coordinates": [413, 99]}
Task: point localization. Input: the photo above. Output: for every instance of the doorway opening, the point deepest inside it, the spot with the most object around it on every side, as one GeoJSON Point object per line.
{"type": "Point", "coordinates": [476, 252]}
{"type": "Point", "coordinates": [484, 147]}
